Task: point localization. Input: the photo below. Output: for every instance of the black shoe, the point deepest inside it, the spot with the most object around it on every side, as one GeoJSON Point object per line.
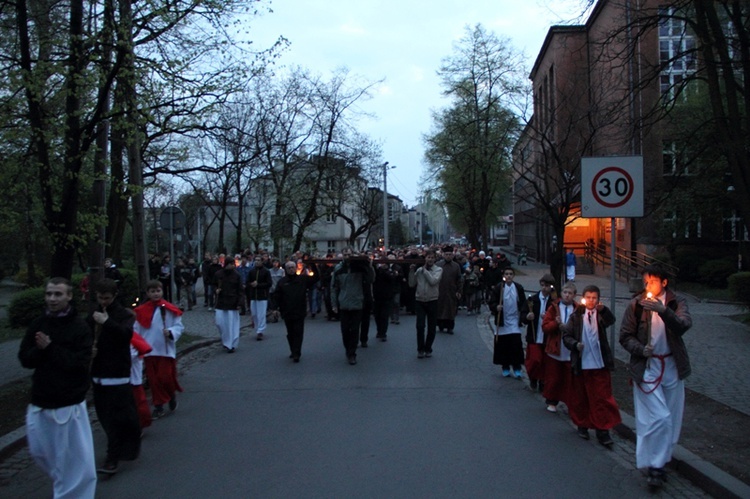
{"type": "Point", "coordinates": [656, 477]}
{"type": "Point", "coordinates": [158, 412]}
{"type": "Point", "coordinates": [295, 358]}
{"type": "Point", "coordinates": [603, 437]}
{"type": "Point", "coordinates": [109, 468]}
{"type": "Point", "coordinates": [364, 344]}
{"type": "Point", "coordinates": [173, 401]}
{"type": "Point", "coordinates": [420, 354]}
{"type": "Point", "coordinates": [428, 354]}
{"type": "Point", "coordinates": [583, 432]}
{"type": "Point", "coordinates": [450, 331]}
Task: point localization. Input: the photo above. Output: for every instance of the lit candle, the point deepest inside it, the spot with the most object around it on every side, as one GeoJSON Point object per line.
{"type": "Point", "coordinates": [583, 301]}
{"type": "Point", "coordinates": [649, 295]}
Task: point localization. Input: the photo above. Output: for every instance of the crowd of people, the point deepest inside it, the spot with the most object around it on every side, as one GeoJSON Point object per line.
{"type": "Point", "coordinates": [567, 356]}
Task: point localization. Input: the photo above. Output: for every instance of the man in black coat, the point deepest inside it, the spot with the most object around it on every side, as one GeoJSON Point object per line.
{"type": "Point", "coordinates": [291, 296]}
{"type": "Point", "coordinates": [57, 346]}
{"type": "Point", "coordinates": [110, 372]}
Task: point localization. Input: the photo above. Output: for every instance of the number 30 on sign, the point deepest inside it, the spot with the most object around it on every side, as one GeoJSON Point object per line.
{"type": "Point", "coordinates": [612, 187]}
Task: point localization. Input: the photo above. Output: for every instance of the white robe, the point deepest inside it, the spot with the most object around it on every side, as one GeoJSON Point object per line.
{"type": "Point", "coordinates": [61, 444]}
{"type": "Point", "coordinates": [154, 335]}
{"type": "Point", "coordinates": [228, 323]}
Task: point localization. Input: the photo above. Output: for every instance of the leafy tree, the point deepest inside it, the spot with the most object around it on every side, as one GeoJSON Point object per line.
{"type": "Point", "coordinates": [470, 146]}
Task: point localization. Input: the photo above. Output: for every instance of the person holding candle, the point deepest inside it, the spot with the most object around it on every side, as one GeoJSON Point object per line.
{"type": "Point", "coordinates": [590, 402]}
{"type": "Point", "coordinates": [651, 331]}
{"type": "Point", "coordinates": [535, 337]}
{"type": "Point", "coordinates": [557, 371]}
{"type": "Point", "coordinates": [510, 308]}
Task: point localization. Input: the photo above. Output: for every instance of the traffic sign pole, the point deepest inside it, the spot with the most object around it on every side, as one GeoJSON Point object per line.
{"type": "Point", "coordinates": [612, 187]}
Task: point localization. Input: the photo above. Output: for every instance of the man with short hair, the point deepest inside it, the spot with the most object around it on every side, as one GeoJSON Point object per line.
{"type": "Point", "coordinates": [426, 282]}
{"type": "Point", "coordinates": [652, 330]}
{"type": "Point", "coordinates": [110, 372]}
{"type": "Point", "coordinates": [258, 284]}
{"type": "Point", "coordinates": [57, 346]}
{"type": "Point", "coordinates": [349, 287]}
{"type": "Point", "coordinates": [451, 285]}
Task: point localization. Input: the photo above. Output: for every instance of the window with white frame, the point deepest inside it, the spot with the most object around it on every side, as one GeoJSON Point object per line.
{"type": "Point", "coordinates": [677, 51]}
{"type": "Point", "coordinates": [672, 163]}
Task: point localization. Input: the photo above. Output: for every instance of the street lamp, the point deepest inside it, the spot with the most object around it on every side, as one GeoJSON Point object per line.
{"type": "Point", "coordinates": [385, 204]}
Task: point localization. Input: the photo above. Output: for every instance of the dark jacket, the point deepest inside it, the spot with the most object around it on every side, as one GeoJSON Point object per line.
{"type": "Point", "coordinates": [383, 287]}
{"type": "Point", "coordinates": [522, 302]}
{"type": "Point", "coordinates": [230, 295]}
{"type": "Point", "coordinates": [262, 276]}
{"type": "Point", "coordinates": [112, 359]}
{"type": "Point", "coordinates": [634, 334]}
{"type": "Point", "coordinates": [61, 371]}
{"type": "Point", "coordinates": [572, 333]}
{"type": "Point", "coordinates": [351, 284]}
{"type": "Point", "coordinates": [536, 305]}
{"type": "Point", "coordinates": [291, 295]}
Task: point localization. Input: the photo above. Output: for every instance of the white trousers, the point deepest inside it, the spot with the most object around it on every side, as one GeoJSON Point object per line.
{"type": "Point", "coordinates": [570, 272]}
{"type": "Point", "coordinates": [228, 322]}
{"type": "Point", "coordinates": [61, 444]}
{"type": "Point", "coordinates": [258, 309]}
{"type": "Point", "coordinates": [658, 415]}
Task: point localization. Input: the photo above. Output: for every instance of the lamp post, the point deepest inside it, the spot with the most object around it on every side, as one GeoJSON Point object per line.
{"type": "Point", "coordinates": [385, 204]}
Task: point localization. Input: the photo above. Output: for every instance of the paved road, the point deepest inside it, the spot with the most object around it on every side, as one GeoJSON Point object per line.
{"type": "Point", "coordinates": [253, 424]}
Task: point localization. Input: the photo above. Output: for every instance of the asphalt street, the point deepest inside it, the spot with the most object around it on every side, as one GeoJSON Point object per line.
{"type": "Point", "coordinates": [254, 424]}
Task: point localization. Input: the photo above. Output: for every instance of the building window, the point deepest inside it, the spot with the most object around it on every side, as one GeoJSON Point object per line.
{"type": "Point", "coordinates": [331, 246]}
{"type": "Point", "coordinates": [330, 217]}
{"type": "Point", "coordinates": [677, 52]}
{"type": "Point", "coordinates": [672, 160]}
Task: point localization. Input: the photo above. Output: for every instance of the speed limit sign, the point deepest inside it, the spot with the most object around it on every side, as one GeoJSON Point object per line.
{"type": "Point", "coordinates": [612, 186]}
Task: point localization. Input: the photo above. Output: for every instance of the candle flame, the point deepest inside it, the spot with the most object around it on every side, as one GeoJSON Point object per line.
{"type": "Point", "coordinates": [649, 295]}
{"type": "Point", "coordinates": [583, 301]}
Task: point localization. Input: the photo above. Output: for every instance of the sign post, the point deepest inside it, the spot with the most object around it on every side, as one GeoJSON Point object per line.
{"type": "Point", "coordinates": [612, 187]}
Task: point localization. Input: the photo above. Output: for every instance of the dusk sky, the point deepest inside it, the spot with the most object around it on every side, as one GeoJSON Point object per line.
{"type": "Point", "coordinates": [401, 42]}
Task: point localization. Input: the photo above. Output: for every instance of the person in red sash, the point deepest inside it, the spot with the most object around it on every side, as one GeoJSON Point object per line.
{"type": "Point", "coordinates": [539, 304]}
{"type": "Point", "coordinates": [591, 403]}
{"type": "Point", "coordinates": [652, 330]}
{"type": "Point", "coordinates": [557, 371]}
{"type": "Point", "coordinates": [160, 324]}
{"type": "Point", "coordinates": [138, 349]}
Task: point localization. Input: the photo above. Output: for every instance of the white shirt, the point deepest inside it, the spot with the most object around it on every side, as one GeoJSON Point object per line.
{"type": "Point", "coordinates": [565, 312]}
{"type": "Point", "coordinates": [511, 314]}
{"type": "Point", "coordinates": [542, 308]}
{"type": "Point", "coordinates": [591, 356]}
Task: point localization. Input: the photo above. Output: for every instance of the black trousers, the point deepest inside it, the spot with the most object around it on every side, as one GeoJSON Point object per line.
{"type": "Point", "coordinates": [426, 310]}
{"type": "Point", "coordinates": [350, 324]}
{"type": "Point", "coordinates": [382, 312]}
{"type": "Point", "coordinates": [364, 327]}
{"type": "Point", "coordinates": [115, 408]}
{"type": "Point", "coordinates": [295, 332]}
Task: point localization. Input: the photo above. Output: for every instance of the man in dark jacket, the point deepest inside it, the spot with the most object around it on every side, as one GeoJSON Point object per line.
{"type": "Point", "coordinates": [291, 297]}
{"type": "Point", "coordinates": [57, 346]}
{"type": "Point", "coordinates": [382, 291]}
{"type": "Point", "coordinates": [652, 330]}
{"type": "Point", "coordinates": [258, 284]}
{"type": "Point", "coordinates": [229, 296]}
{"type": "Point", "coordinates": [592, 404]}
{"type": "Point", "coordinates": [350, 286]}
{"type": "Point", "coordinates": [110, 372]}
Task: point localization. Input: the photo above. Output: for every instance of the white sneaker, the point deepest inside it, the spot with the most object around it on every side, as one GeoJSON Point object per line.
{"type": "Point", "coordinates": [551, 408]}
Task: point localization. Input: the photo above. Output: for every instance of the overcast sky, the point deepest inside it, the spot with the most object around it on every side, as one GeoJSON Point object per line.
{"type": "Point", "coordinates": [401, 42]}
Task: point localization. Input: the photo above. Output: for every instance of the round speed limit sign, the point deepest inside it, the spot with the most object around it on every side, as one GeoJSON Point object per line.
{"type": "Point", "coordinates": [612, 187]}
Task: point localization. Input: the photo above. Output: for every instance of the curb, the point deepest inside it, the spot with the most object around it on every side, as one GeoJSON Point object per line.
{"type": "Point", "coordinates": [714, 481]}
{"type": "Point", "coordinates": [11, 442]}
